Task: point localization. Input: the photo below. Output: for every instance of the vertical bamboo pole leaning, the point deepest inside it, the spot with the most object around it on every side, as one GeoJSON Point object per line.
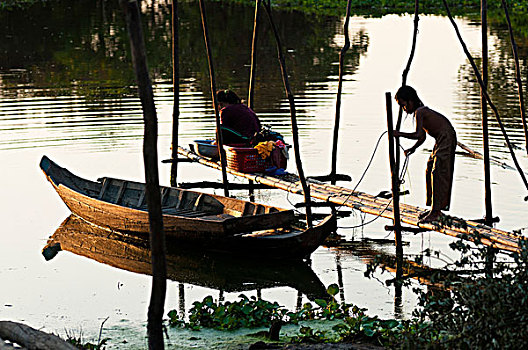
{"type": "Point", "coordinates": [295, 129]}
{"type": "Point", "coordinates": [394, 158]}
{"type": "Point", "coordinates": [395, 190]}
{"type": "Point", "coordinates": [176, 93]}
{"type": "Point", "coordinates": [517, 74]}
{"type": "Point", "coordinates": [219, 139]}
{"type": "Point", "coordinates": [488, 217]}
{"type": "Point", "coordinates": [253, 72]}
{"type": "Point", "coordinates": [150, 155]}
{"type": "Point", "coordinates": [484, 90]}
{"type": "Point", "coordinates": [342, 53]}
{"type": "Point", "coordinates": [404, 82]}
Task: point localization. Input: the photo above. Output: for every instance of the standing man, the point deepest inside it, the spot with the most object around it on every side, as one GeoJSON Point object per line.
{"type": "Point", "coordinates": [441, 163]}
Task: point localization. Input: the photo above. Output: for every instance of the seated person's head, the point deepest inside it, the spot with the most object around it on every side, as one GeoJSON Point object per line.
{"type": "Point", "coordinates": [227, 97]}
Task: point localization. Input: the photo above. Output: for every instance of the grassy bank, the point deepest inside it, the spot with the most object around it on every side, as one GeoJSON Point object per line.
{"type": "Point", "coordinates": [7, 5]}
{"type": "Point", "coordinates": [363, 7]}
{"type": "Point", "coordinates": [380, 7]}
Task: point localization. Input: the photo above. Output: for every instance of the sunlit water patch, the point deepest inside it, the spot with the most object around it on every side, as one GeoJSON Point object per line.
{"type": "Point", "coordinates": [97, 131]}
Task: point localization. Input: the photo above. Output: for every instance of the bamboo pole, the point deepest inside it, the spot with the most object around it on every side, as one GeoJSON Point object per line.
{"type": "Point", "coordinates": [484, 90]}
{"type": "Point", "coordinates": [488, 217]}
{"type": "Point", "coordinates": [394, 159]}
{"type": "Point", "coordinates": [295, 129]}
{"type": "Point", "coordinates": [253, 72]}
{"type": "Point", "coordinates": [404, 80]}
{"type": "Point", "coordinates": [176, 93]}
{"type": "Point", "coordinates": [150, 156]}
{"type": "Point", "coordinates": [219, 139]}
{"type": "Point", "coordinates": [478, 155]}
{"type": "Point", "coordinates": [517, 74]}
{"type": "Point", "coordinates": [342, 53]}
{"type": "Point", "coordinates": [395, 177]}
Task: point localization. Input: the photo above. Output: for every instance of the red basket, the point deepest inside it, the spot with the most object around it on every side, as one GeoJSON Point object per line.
{"type": "Point", "coordinates": [246, 160]}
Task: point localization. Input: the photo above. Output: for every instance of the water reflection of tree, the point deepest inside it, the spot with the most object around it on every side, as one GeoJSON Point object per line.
{"type": "Point", "coordinates": [502, 89]}
{"type": "Point", "coordinates": [65, 48]}
{"type": "Point", "coordinates": [308, 42]}
{"type": "Point", "coordinates": [80, 48]}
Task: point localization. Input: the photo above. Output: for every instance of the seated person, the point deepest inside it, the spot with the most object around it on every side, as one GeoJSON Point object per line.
{"type": "Point", "coordinates": [238, 122]}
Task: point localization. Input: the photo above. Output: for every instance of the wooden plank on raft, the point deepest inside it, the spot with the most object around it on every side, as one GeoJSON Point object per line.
{"type": "Point", "coordinates": [455, 227]}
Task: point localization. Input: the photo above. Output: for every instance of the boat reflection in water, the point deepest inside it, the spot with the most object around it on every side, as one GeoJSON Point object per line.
{"type": "Point", "coordinates": [227, 274]}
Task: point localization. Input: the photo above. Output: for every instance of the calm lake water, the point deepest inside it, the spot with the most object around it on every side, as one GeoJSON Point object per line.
{"type": "Point", "coordinates": [67, 91]}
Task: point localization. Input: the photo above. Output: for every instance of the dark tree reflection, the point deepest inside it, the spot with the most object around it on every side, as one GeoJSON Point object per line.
{"type": "Point", "coordinates": [68, 47]}
{"type": "Point", "coordinates": [502, 89]}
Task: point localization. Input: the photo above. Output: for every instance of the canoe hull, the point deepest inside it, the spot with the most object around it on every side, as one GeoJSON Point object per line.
{"type": "Point", "coordinates": [101, 203]}
{"type": "Point", "coordinates": [203, 221]}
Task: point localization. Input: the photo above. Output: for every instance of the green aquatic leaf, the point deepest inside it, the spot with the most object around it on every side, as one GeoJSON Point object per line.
{"type": "Point", "coordinates": [321, 302]}
{"type": "Point", "coordinates": [332, 289]}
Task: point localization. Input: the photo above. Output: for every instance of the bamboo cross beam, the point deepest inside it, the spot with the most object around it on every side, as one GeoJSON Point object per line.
{"type": "Point", "coordinates": [466, 229]}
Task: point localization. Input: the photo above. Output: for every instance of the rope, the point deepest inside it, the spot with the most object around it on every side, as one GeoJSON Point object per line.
{"type": "Point", "coordinates": [400, 179]}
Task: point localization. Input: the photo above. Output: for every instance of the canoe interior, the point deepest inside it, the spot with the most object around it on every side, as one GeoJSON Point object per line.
{"type": "Point", "coordinates": [175, 201]}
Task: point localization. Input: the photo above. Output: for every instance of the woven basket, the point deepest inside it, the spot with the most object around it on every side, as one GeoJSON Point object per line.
{"type": "Point", "coordinates": [246, 160]}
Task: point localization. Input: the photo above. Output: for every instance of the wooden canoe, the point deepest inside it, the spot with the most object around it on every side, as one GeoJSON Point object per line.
{"type": "Point", "coordinates": [224, 273]}
{"type": "Point", "coordinates": [207, 221]}
{"type": "Point", "coordinates": [120, 205]}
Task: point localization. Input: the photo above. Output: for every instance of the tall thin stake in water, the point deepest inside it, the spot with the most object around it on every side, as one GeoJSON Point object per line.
{"type": "Point", "coordinates": [219, 138]}
{"type": "Point", "coordinates": [395, 181]}
{"type": "Point", "coordinates": [394, 156]}
{"type": "Point", "coordinates": [150, 156]}
{"type": "Point", "coordinates": [253, 73]}
{"type": "Point", "coordinates": [404, 80]}
{"type": "Point", "coordinates": [176, 93]}
{"type": "Point", "coordinates": [295, 129]}
{"type": "Point", "coordinates": [488, 217]}
{"type": "Point", "coordinates": [342, 53]}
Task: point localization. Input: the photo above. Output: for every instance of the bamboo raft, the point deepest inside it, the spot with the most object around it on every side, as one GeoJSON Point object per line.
{"type": "Point", "coordinates": [341, 196]}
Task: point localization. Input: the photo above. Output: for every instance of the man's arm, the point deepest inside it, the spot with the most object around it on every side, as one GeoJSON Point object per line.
{"type": "Point", "coordinates": [418, 134]}
{"type": "Point", "coordinates": [418, 143]}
